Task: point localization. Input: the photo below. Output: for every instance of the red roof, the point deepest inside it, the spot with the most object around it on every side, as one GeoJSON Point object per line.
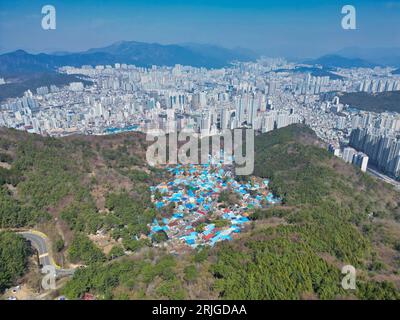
{"type": "Point", "coordinates": [209, 236]}
{"type": "Point", "coordinates": [88, 296]}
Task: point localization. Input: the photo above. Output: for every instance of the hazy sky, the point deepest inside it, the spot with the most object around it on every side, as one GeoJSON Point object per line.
{"type": "Point", "coordinates": [279, 27]}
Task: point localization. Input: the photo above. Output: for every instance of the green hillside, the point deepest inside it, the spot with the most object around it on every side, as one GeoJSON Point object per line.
{"type": "Point", "coordinates": [14, 253]}
{"type": "Point", "coordinates": [322, 225]}
{"type": "Point", "coordinates": [332, 215]}
{"type": "Point", "coordinates": [378, 102]}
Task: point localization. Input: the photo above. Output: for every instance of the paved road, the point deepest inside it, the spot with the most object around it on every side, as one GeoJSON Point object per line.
{"type": "Point", "coordinates": [39, 242]}
{"type": "Point", "coordinates": [385, 178]}
{"type": "Point", "coordinates": [40, 245]}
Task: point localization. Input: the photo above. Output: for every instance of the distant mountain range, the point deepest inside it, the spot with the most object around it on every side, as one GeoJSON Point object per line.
{"type": "Point", "coordinates": [380, 56]}
{"type": "Point", "coordinates": [17, 86]}
{"type": "Point", "coordinates": [361, 57]}
{"type": "Point", "coordinates": [23, 70]}
{"type": "Point", "coordinates": [130, 52]}
{"type": "Point", "coordinates": [22, 63]}
{"type": "Point", "coordinates": [336, 61]}
{"type": "Point", "coordinates": [197, 55]}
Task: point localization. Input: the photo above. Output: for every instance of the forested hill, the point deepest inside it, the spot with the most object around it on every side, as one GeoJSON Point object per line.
{"type": "Point", "coordinates": [377, 102]}
{"type": "Point", "coordinates": [332, 214]}
{"type": "Point", "coordinates": [72, 187]}
{"type": "Point", "coordinates": [79, 179]}
{"type": "Point", "coordinates": [297, 250]}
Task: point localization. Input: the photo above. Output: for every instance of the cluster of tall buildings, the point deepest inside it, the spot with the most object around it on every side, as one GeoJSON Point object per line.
{"type": "Point", "coordinates": [382, 147]}
{"type": "Point", "coordinates": [385, 121]}
{"type": "Point", "coordinates": [373, 86]}
{"type": "Point", "coordinates": [166, 98]}
{"type": "Point", "coordinates": [315, 85]}
{"type": "Point", "coordinates": [351, 155]}
{"type": "Point", "coordinates": [367, 138]}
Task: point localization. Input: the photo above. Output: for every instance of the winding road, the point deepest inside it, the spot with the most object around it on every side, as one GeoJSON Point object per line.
{"type": "Point", "coordinates": [39, 241]}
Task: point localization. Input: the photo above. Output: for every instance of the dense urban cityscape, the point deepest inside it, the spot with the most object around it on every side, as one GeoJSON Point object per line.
{"type": "Point", "coordinates": [264, 95]}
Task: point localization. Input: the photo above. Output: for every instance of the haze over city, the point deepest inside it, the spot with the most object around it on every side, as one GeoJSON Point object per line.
{"type": "Point", "coordinates": [274, 28]}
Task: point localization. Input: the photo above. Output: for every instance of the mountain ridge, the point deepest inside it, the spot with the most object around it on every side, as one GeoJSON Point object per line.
{"type": "Point", "coordinates": [130, 52]}
{"type": "Point", "coordinates": [330, 61]}
{"type": "Point", "coordinates": [383, 56]}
